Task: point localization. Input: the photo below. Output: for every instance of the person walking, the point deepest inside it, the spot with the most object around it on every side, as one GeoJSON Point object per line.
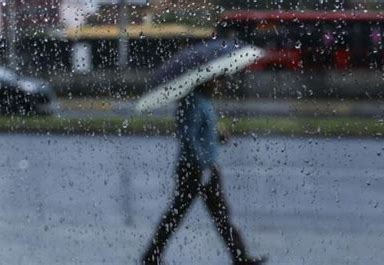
{"type": "Point", "coordinates": [198, 151]}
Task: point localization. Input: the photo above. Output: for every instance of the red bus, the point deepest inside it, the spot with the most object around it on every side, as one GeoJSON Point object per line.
{"type": "Point", "coordinates": [312, 52]}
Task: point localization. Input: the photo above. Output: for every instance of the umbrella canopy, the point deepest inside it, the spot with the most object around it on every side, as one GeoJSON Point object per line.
{"type": "Point", "coordinates": [194, 66]}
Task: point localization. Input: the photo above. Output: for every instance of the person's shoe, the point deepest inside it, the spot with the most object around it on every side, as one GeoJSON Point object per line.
{"type": "Point", "coordinates": [151, 260]}
{"type": "Point", "coordinates": [252, 261]}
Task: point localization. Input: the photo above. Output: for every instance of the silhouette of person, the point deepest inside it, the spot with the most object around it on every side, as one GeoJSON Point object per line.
{"type": "Point", "coordinates": [198, 137]}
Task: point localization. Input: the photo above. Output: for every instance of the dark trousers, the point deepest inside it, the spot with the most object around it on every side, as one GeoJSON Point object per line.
{"type": "Point", "coordinates": [188, 186]}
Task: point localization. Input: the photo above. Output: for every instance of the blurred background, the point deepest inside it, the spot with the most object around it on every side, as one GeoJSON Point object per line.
{"type": "Point", "coordinates": [328, 50]}
{"type": "Point", "coordinates": [84, 178]}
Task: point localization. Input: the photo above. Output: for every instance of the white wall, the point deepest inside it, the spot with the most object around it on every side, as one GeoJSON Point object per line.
{"type": "Point", "coordinates": [74, 12]}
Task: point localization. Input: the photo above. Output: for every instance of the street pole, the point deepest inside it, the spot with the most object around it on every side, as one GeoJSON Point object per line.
{"type": "Point", "coordinates": [123, 44]}
{"type": "Point", "coordinates": [11, 33]}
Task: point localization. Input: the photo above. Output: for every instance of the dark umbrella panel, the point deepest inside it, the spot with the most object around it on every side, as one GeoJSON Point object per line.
{"type": "Point", "coordinates": [194, 66]}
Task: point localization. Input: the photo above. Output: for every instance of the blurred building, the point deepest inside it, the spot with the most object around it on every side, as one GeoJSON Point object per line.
{"type": "Point", "coordinates": [158, 11]}
{"type": "Point", "coordinates": [69, 13]}
{"type": "Point", "coordinates": [169, 5]}
{"type": "Point", "coordinates": [39, 14]}
{"type": "Point", "coordinates": [30, 14]}
{"type": "Point", "coordinates": [74, 13]}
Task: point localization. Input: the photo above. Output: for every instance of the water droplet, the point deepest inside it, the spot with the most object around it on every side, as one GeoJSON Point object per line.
{"type": "Point", "coordinates": [23, 164]}
{"type": "Point", "coordinates": [299, 95]}
{"type": "Point", "coordinates": [125, 124]}
{"type": "Point", "coordinates": [298, 45]}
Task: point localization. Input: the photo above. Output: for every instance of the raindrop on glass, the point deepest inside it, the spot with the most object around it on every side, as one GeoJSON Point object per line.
{"type": "Point", "coordinates": [298, 45]}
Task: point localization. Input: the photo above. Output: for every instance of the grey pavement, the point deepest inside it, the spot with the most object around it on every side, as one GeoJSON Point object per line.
{"type": "Point", "coordinates": [96, 200]}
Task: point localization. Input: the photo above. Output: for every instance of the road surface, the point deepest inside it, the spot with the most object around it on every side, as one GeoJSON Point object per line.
{"type": "Point", "coordinates": [96, 200]}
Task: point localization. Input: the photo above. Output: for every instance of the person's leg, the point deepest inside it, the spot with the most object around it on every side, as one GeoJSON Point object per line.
{"type": "Point", "coordinates": [218, 209]}
{"type": "Point", "coordinates": [186, 190]}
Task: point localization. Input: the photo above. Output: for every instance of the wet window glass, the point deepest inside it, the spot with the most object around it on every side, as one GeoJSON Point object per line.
{"type": "Point", "coordinates": [158, 132]}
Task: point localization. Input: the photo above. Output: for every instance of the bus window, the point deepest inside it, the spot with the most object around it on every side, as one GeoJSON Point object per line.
{"type": "Point", "coordinates": [359, 44]}
{"type": "Point", "coordinates": [320, 43]}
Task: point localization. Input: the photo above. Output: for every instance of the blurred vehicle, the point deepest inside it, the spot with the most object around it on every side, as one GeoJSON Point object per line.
{"type": "Point", "coordinates": [310, 53]}
{"type": "Point", "coordinates": [23, 95]}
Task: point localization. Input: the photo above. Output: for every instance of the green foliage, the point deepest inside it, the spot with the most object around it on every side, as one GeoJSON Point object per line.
{"type": "Point", "coordinates": [288, 126]}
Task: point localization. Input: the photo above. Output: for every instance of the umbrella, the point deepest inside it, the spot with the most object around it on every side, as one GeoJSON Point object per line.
{"type": "Point", "coordinates": [194, 66]}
